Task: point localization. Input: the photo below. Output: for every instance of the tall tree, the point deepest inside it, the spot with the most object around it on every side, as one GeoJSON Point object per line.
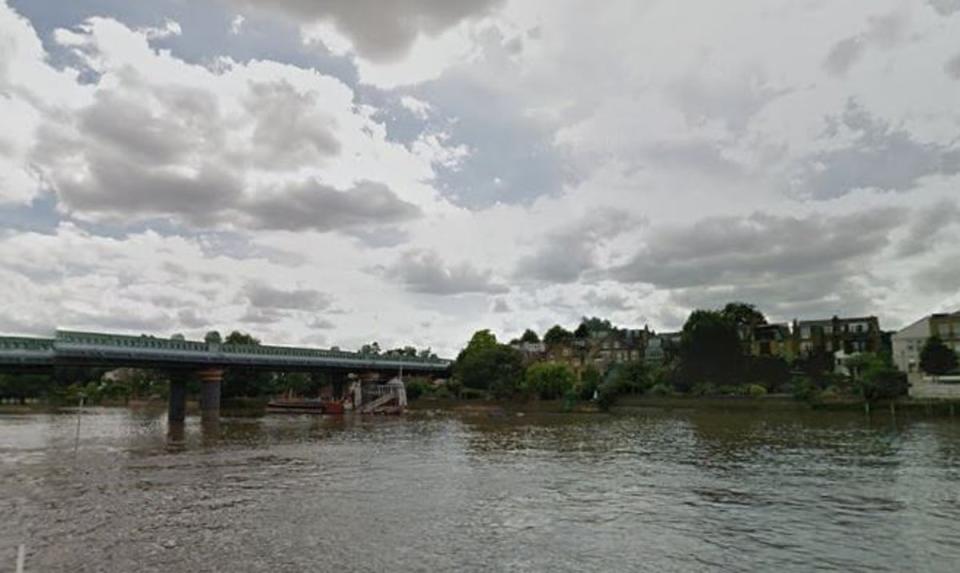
{"type": "Point", "coordinates": [557, 335]}
{"type": "Point", "coordinates": [710, 349]}
{"type": "Point", "coordinates": [595, 324]}
{"type": "Point", "coordinates": [529, 336]}
{"type": "Point", "coordinates": [237, 337]}
{"type": "Point", "coordinates": [487, 365]}
{"type": "Point", "coordinates": [741, 313]}
{"type": "Point", "coordinates": [936, 358]}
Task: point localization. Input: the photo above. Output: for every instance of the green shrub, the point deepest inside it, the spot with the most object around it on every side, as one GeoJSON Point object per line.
{"type": "Point", "coordinates": [549, 380]}
{"type": "Point", "coordinates": [589, 382]}
{"type": "Point", "coordinates": [418, 387]}
{"type": "Point", "coordinates": [661, 389]}
{"type": "Point", "coordinates": [802, 388]}
{"type": "Point", "coordinates": [755, 390]}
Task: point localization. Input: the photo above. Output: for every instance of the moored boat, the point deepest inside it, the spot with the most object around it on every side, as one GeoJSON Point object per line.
{"type": "Point", "coordinates": [305, 406]}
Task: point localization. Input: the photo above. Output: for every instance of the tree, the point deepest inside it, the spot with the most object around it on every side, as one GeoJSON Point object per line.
{"type": "Point", "coordinates": [743, 314]}
{"type": "Point", "coordinates": [771, 372]}
{"type": "Point", "coordinates": [549, 380]}
{"type": "Point", "coordinates": [178, 336]}
{"type": "Point", "coordinates": [529, 336]}
{"type": "Point", "coordinates": [589, 382]}
{"type": "Point", "coordinates": [373, 348]}
{"type": "Point", "coordinates": [595, 324]}
{"type": "Point", "coordinates": [581, 332]}
{"type": "Point", "coordinates": [936, 358]}
{"type": "Point", "coordinates": [487, 365]}
{"type": "Point", "coordinates": [212, 337]}
{"type": "Point", "coordinates": [245, 381]}
{"type": "Point", "coordinates": [632, 377]}
{"type": "Point", "coordinates": [557, 335]}
{"type": "Point", "coordinates": [241, 338]}
{"type": "Point", "coordinates": [710, 350]}
{"type": "Point", "coordinates": [880, 380]}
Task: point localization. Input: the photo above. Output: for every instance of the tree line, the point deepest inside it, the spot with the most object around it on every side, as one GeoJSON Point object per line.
{"type": "Point", "coordinates": [709, 360]}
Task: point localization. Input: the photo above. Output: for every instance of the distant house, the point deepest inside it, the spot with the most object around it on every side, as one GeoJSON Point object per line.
{"type": "Point", "coordinates": [602, 349]}
{"type": "Point", "coordinates": [908, 342]}
{"type": "Point", "coordinates": [661, 348]}
{"type": "Point", "coordinates": [850, 335]}
{"type": "Point", "coordinates": [772, 340]}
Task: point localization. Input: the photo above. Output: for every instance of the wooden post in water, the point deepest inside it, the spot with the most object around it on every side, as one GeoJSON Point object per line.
{"type": "Point", "coordinates": [21, 557]}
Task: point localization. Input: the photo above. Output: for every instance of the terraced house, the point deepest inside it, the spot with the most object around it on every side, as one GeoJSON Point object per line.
{"type": "Point", "coordinates": [847, 335]}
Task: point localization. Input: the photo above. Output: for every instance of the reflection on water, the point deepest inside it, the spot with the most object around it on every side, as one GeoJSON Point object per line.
{"type": "Point", "coordinates": [655, 491]}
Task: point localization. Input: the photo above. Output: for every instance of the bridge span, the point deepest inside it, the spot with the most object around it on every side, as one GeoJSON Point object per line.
{"type": "Point", "coordinates": [207, 360]}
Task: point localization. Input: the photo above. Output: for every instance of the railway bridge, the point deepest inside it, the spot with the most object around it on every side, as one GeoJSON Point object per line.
{"type": "Point", "coordinates": [207, 360]}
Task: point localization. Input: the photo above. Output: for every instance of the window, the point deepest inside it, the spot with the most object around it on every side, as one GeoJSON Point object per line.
{"type": "Point", "coordinates": [943, 329]}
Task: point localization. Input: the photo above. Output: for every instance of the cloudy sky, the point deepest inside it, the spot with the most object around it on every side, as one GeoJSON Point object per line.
{"type": "Point", "coordinates": [334, 172]}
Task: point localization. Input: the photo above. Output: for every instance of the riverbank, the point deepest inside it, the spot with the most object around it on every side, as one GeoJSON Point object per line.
{"type": "Point", "coordinates": [253, 407]}
{"type": "Point", "coordinates": [627, 404]}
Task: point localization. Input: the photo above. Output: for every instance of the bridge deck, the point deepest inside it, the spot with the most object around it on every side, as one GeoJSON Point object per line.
{"type": "Point", "coordinates": [90, 348]}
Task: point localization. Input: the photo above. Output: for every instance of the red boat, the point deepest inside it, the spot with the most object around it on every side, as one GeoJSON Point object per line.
{"type": "Point", "coordinates": [306, 406]}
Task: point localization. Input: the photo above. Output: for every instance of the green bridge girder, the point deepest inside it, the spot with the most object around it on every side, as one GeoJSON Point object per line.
{"type": "Point", "coordinates": [117, 350]}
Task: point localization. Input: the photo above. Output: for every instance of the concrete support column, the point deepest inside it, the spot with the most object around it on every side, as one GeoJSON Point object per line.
{"type": "Point", "coordinates": [177, 408]}
{"type": "Point", "coordinates": [210, 380]}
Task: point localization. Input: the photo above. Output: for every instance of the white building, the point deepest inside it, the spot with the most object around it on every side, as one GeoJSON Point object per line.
{"type": "Point", "coordinates": [908, 343]}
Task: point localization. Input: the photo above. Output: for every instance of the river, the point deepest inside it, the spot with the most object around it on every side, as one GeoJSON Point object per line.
{"type": "Point", "coordinates": [653, 490]}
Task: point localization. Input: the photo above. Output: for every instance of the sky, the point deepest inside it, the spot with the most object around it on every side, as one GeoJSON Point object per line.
{"type": "Point", "coordinates": [336, 172]}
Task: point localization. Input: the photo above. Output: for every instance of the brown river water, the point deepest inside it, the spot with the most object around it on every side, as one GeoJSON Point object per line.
{"type": "Point", "coordinates": [652, 490]}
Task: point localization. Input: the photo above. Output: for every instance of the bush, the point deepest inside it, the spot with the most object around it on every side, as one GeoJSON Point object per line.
{"type": "Point", "coordinates": [549, 380]}
{"type": "Point", "coordinates": [772, 372]}
{"type": "Point", "coordinates": [883, 382]}
{"type": "Point", "coordinates": [802, 388]}
{"type": "Point", "coordinates": [589, 382]}
{"type": "Point", "coordinates": [755, 390]}
{"type": "Point", "coordinates": [418, 387]}
{"type": "Point", "coordinates": [704, 389]}
{"type": "Point", "coordinates": [661, 389]}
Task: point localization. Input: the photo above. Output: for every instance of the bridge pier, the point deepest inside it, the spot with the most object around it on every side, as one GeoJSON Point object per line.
{"type": "Point", "coordinates": [210, 380]}
{"type": "Point", "coordinates": [177, 406]}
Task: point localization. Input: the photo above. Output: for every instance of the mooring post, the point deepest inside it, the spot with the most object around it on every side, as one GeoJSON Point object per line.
{"type": "Point", "coordinates": [210, 380]}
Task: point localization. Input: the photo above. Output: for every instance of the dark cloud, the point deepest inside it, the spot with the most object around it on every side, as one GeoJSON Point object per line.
{"type": "Point", "coordinates": [262, 296]}
{"type": "Point", "coordinates": [945, 7]}
{"type": "Point", "coordinates": [758, 249]}
{"type": "Point", "coordinates": [567, 253]}
{"type": "Point", "coordinates": [322, 324]}
{"type": "Point", "coordinates": [843, 55]}
{"type": "Point", "coordinates": [263, 315]}
{"type": "Point", "coordinates": [380, 30]}
{"type": "Point", "coordinates": [875, 155]}
{"type": "Point", "coordinates": [291, 128]}
{"type": "Point", "coordinates": [189, 318]}
{"type": "Point", "coordinates": [884, 31]}
{"type": "Point", "coordinates": [143, 151]}
{"type": "Point", "coordinates": [952, 67]}
{"type": "Point", "coordinates": [322, 208]}
{"type": "Point", "coordinates": [927, 227]}
{"type": "Point", "coordinates": [942, 277]}
{"type": "Point", "coordinates": [816, 294]}
{"type": "Point", "coordinates": [425, 272]}
{"type": "Point", "coordinates": [500, 306]}
{"type": "Point", "coordinates": [606, 301]}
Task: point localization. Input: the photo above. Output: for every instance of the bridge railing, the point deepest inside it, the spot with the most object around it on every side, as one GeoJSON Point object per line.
{"type": "Point", "coordinates": [161, 345]}
{"type": "Point", "coordinates": [22, 343]}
